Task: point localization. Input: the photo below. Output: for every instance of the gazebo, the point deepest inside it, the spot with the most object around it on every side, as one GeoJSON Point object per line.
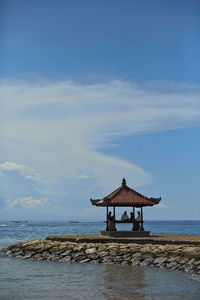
{"type": "Point", "coordinates": [124, 196]}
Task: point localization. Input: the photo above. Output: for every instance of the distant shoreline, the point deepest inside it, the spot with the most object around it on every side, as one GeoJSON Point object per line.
{"type": "Point", "coordinates": [103, 221]}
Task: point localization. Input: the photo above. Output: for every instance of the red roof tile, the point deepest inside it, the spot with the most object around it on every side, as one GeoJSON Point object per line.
{"type": "Point", "coordinates": [125, 196]}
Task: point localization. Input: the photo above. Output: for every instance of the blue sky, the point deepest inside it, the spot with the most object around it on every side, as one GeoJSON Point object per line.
{"type": "Point", "coordinates": [93, 91]}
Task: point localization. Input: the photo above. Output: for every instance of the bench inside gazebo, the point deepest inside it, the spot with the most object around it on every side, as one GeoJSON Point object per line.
{"type": "Point", "coordinates": [124, 196]}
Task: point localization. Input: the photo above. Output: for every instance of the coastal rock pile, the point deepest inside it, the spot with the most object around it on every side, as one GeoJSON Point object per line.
{"type": "Point", "coordinates": [175, 257]}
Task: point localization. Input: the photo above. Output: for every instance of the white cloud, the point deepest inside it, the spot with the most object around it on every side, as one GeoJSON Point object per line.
{"type": "Point", "coordinates": [164, 206]}
{"type": "Point", "coordinates": [27, 202]}
{"type": "Point", "coordinates": [60, 128]}
{"type": "Point", "coordinates": [52, 193]}
{"type": "Point", "coordinates": [26, 171]}
{"type": "Point", "coordinates": [84, 176]}
{"type": "Point", "coordinates": [9, 166]}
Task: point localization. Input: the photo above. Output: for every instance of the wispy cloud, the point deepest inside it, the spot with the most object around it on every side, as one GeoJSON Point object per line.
{"type": "Point", "coordinates": [25, 171]}
{"type": "Point", "coordinates": [52, 193]}
{"type": "Point", "coordinates": [84, 176]}
{"type": "Point", "coordinates": [58, 129]}
{"type": "Point", "coordinates": [163, 206]}
{"type": "Point", "coordinates": [27, 202]}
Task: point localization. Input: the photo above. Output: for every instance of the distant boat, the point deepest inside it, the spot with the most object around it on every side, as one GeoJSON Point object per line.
{"type": "Point", "coordinates": [19, 221]}
{"type": "Point", "coordinates": [73, 222]}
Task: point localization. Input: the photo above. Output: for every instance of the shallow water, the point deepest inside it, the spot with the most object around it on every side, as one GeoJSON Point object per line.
{"type": "Point", "coordinates": [29, 279]}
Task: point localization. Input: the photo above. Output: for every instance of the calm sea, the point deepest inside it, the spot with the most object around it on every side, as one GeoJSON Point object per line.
{"type": "Point", "coordinates": [27, 279]}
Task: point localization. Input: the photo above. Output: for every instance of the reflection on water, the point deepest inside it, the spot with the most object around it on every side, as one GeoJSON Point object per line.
{"type": "Point", "coordinates": [148, 283]}
{"type": "Point", "coordinates": [26, 279]}
{"type": "Point", "coordinates": [124, 282]}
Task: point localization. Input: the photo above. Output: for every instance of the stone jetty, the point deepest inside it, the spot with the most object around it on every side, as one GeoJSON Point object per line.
{"type": "Point", "coordinates": [183, 257]}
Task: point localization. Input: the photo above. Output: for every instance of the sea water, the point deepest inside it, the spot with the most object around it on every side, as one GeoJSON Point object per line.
{"type": "Point", "coordinates": [30, 279]}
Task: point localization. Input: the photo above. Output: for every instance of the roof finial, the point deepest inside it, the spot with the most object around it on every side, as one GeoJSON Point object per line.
{"type": "Point", "coordinates": [124, 182]}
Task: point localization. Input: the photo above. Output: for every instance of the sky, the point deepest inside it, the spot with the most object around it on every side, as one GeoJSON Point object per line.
{"type": "Point", "coordinates": [93, 91]}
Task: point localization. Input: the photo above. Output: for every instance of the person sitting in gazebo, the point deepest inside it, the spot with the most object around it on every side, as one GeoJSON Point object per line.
{"type": "Point", "coordinates": [110, 217]}
{"type": "Point", "coordinates": [138, 216]}
{"type": "Point", "coordinates": [124, 217]}
{"type": "Point", "coordinates": [131, 216]}
{"type": "Point", "coordinates": [110, 224]}
{"type": "Point", "coordinates": [136, 226]}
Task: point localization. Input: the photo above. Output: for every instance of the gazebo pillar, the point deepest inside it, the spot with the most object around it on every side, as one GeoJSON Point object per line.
{"type": "Point", "coordinates": [107, 217]}
{"type": "Point", "coordinates": [142, 227]}
{"type": "Point", "coordinates": [114, 213]}
{"type": "Point", "coordinates": [114, 217]}
{"type": "Point", "coordinates": [133, 228]}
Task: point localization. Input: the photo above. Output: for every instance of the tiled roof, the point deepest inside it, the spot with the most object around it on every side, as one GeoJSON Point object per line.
{"type": "Point", "coordinates": [125, 196]}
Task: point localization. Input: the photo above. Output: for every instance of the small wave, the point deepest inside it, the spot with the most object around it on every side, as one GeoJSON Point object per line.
{"type": "Point", "coordinates": [22, 225]}
{"type": "Point", "coordinates": [3, 225]}
{"type": "Point", "coordinates": [195, 277]}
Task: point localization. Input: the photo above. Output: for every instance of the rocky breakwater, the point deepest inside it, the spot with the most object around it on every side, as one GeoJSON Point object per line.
{"type": "Point", "coordinates": [175, 257]}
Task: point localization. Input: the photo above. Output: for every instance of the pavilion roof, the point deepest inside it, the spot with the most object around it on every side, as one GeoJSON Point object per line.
{"type": "Point", "coordinates": [125, 196]}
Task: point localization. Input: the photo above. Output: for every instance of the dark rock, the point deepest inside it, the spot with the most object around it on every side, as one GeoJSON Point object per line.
{"type": "Point", "coordinates": [17, 253]}
{"type": "Point", "coordinates": [190, 262]}
{"type": "Point", "coordinates": [38, 257]}
{"type": "Point", "coordinates": [118, 258]}
{"type": "Point", "coordinates": [94, 261]}
{"type": "Point", "coordinates": [65, 259]}
{"type": "Point", "coordinates": [171, 265]}
{"type": "Point", "coordinates": [160, 260]}
{"type": "Point", "coordinates": [66, 253]}
{"type": "Point", "coordinates": [146, 262]}
{"type": "Point", "coordinates": [172, 259]}
{"type": "Point", "coordinates": [28, 254]}
{"type": "Point", "coordinates": [104, 253]}
{"type": "Point", "coordinates": [92, 256]}
{"type": "Point", "coordinates": [85, 260]}
{"type": "Point", "coordinates": [196, 263]}
{"type": "Point", "coordinates": [198, 268]}
{"type": "Point", "coordinates": [183, 260]}
{"type": "Point", "coordinates": [136, 255]}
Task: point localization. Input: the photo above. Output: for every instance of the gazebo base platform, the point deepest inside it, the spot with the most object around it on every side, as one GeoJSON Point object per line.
{"type": "Point", "coordinates": [125, 233]}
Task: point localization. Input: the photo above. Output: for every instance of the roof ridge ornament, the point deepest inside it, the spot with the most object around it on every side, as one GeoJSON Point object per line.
{"type": "Point", "coordinates": [123, 182]}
